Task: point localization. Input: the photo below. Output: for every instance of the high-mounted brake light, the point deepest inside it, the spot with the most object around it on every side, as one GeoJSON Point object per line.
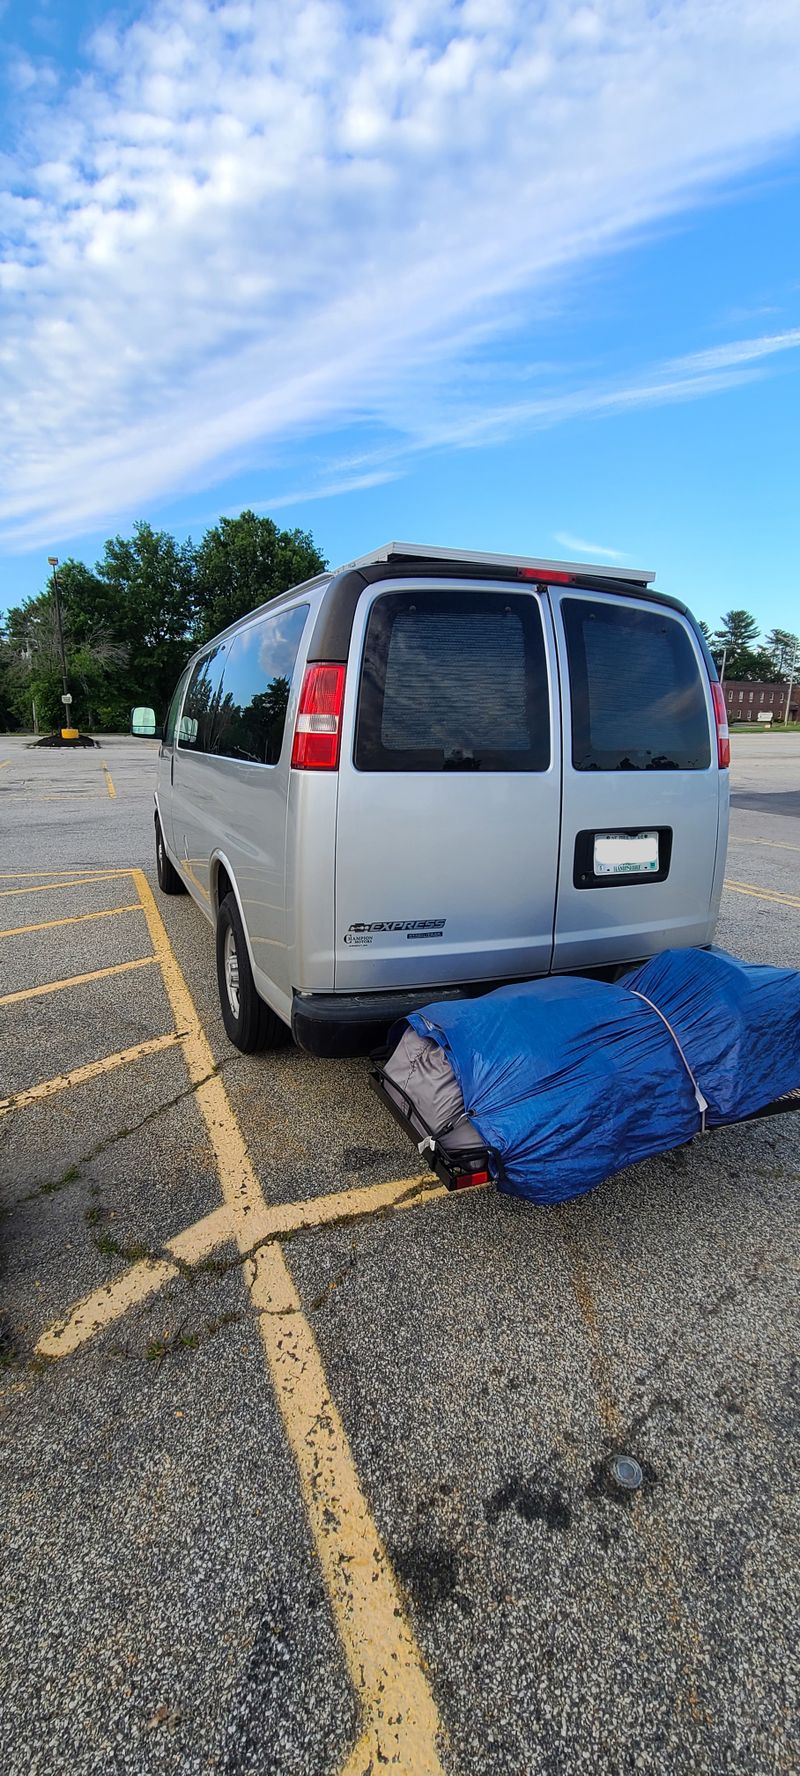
{"type": "Point", "coordinates": [721, 718]}
{"type": "Point", "coordinates": [317, 732]}
{"type": "Point", "coordinates": [546, 576]}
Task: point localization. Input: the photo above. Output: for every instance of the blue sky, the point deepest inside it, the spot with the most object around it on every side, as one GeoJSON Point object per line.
{"type": "Point", "coordinates": [470, 272]}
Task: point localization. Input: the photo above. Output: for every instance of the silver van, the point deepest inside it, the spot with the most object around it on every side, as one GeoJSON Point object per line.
{"type": "Point", "coordinates": [431, 772]}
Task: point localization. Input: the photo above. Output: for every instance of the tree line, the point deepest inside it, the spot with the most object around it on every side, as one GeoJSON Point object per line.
{"type": "Point", "coordinates": [740, 655]}
{"type": "Point", "coordinates": [131, 622]}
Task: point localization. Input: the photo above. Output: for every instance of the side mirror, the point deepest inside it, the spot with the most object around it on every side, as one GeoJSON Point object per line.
{"type": "Point", "coordinates": [144, 725]}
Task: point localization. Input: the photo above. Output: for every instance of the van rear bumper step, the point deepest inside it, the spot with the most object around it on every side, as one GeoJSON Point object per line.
{"type": "Point", "coordinates": [334, 1025]}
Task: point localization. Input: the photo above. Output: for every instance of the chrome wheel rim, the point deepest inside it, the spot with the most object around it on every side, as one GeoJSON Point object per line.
{"type": "Point", "coordinates": [230, 962]}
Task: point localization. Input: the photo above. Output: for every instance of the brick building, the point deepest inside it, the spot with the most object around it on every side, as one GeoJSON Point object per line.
{"type": "Point", "coordinates": [745, 701]}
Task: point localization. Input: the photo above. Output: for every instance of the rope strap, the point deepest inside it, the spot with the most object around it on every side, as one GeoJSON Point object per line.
{"type": "Point", "coordinates": [702, 1103]}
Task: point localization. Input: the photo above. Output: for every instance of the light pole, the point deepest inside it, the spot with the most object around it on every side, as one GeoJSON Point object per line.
{"type": "Point", "coordinates": [792, 677]}
{"type": "Point", "coordinates": [52, 561]}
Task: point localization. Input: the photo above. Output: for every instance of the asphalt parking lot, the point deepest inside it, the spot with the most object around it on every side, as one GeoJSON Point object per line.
{"type": "Point", "coordinates": [305, 1464]}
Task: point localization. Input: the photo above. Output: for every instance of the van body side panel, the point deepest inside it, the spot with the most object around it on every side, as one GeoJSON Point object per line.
{"type": "Point", "coordinates": [602, 922]}
{"type": "Point", "coordinates": [310, 863]}
{"type": "Point", "coordinates": [723, 822]}
{"type": "Point", "coordinates": [448, 874]}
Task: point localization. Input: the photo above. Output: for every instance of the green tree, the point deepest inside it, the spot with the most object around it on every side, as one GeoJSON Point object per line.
{"type": "Point", "coordinates": [147, 603]}
{"type": "Point", "coordinates": [754, 663]}
{"type": "Point", "coordinates": [95, 660]}
{"type": "Point", "coordinates": [241, 562]}
{"type": "Point", "coordinates": [782, 646]}
{"type": "Point", "coordinates": [735, 636]}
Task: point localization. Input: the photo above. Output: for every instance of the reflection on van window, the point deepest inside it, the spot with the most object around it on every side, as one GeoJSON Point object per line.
{"type": "Point", "coordinates": [172, 712]}
{"type": "Point", "coordinates": [638, 700]}
{"type": "Point", "coordinates": [454, 681]}
{"type": "Point", "coordinates": [197, 726]}
{"type": "Point", "coordinates": [255, 688]}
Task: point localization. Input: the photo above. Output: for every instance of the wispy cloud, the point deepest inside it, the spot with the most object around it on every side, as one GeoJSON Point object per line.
{"type": "Point", "coordinates": [589, 551]}
{"type": "Point", "coordinates": [255, 218]}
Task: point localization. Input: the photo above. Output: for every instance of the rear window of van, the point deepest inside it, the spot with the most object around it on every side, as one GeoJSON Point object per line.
{"type": "Point", "coordinates": [637, 692]}
{"type": "Point", "coordinates": [453, 681]}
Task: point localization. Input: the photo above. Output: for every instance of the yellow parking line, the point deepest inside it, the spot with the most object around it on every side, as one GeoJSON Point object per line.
{"type": "Point", "coordinates": [790, 900]}
{"type": "Point", "coordinates": [3, 763]}
{"type": "Point", "coordinates": [76, 882]}
{"type": "Point", "coordinates": [90, 875]}
{"type": "Point", "coordinates": [75, 980]}
{"type": "Point", "coordinates": [110, 1303]}
{"type": "Point", "coordinates": [401, 1720]}
{"type": "Point", "coordinates": [774, 844]}
{"type": "Point", "coordinates": [73, 919]}
{"type": "Point", "coordinates": [104, 1306]}
{"type": "Point", "coordinates": [110, 783]}
{"type": "Point", "coordinates": [92, 1070]}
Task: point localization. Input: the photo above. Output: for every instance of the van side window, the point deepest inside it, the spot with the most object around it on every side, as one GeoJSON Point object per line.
{"type": "Point", "coordinates": [256, 685]}
{"type": "Point", "coordinates": [454, 681]}
{"type": "Point", "coordinates": [172, 712]}
{"type": "Point", "coordinates": [638, 699]}
{"type": "Point", "coordinates": [198, 724]}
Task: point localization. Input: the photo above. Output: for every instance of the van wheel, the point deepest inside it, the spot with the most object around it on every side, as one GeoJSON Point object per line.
{"type": "Point", "coordinates": [249, 1023]}
{"type": "Point", "coordinates": [168, 879]}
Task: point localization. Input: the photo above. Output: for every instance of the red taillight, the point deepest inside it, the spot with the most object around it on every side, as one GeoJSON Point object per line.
{"type": "Point", "coordinates": [466, 1180]}
{"type": "Point", "coordinates": [319, 716]}
{"type": "Point", "coordinates": [547, 577]}
{"type": "Point", "coordinates": [721, 717]}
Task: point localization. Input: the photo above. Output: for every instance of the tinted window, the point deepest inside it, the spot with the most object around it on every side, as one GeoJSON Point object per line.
{"type": "Point", "coordinates": [198, 723]}
{"type": "Point", "coordinates": [172, 712]}
{"type": "Point", "coordinates": [638, 700]}
{"type": "Point", "coordinates": [453, 681]}
{"type": "Point", "coordinates": [256, 685]}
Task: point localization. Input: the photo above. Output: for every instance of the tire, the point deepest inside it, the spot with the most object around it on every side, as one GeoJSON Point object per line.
{"type": "Point", "coordinates": [168, 879]}
{"type": "Point", "coordinates": [249, 1023]}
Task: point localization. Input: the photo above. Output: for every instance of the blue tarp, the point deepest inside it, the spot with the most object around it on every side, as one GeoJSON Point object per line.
{"type": "Point", "coordinates": [568, 1080]}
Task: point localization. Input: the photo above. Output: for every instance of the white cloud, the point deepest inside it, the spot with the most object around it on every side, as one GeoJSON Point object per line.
{"type": "Point", "coordinates": [259, 217]}
{"type": "Point", "coordinates": [589, 551]}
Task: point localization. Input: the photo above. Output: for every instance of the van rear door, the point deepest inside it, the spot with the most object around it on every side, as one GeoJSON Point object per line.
{"type": "Point", "coordinates": [641, 782]}
{"type": "Point", "coordinates": [449, 788]}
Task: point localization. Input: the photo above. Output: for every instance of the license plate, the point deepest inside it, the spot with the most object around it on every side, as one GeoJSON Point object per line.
{"type": "Point", "coordinates": [626, 854]}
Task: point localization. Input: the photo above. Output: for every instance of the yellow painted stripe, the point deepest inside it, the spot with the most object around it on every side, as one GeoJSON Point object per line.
{"type": "Point", "coordinates": [74, 882]}
{"type": "Point", "coordinates": [401, 1721]}
{"type": "Point", "coordinates": [104, 1306]}
{"type": "Point", "coordinates": [88, 875]}
{"type": "Point", "coordinates": [198, 1241]}
{"type": "Point", "coordinates": [3, 763]}
{"type": "Point", "coordinates": [386, 1669]}
{"type": "Point", "coordinates": [74, 919]}
{"type": "Point", "coordinates": [774, 844]}
{"type": "Point", "coordinates": [92, 1070]}
{"type": "Point", "coordinates": [274, 1221]}
{"type": "Point", "coordinates": [790, 900]}
{"type": "Point", "coordinates": [75, 980]}
{"type": "Point", "coordinates": [110, 783]}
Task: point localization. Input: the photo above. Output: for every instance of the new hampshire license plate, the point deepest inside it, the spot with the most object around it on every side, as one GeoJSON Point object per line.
{"type": "Point", "coordinates": [626, 854]}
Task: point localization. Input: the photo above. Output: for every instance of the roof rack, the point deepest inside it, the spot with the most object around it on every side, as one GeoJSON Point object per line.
{"type": "Point", "coordinates": [429, 552]}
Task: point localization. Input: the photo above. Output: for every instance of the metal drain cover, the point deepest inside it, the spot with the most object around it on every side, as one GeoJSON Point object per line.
{"type": "Point", "coordinates": [626, 1472]}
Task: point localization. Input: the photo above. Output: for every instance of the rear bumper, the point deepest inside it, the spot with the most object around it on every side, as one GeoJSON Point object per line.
{"type": "Point", "coordinates": [334, 1025]}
